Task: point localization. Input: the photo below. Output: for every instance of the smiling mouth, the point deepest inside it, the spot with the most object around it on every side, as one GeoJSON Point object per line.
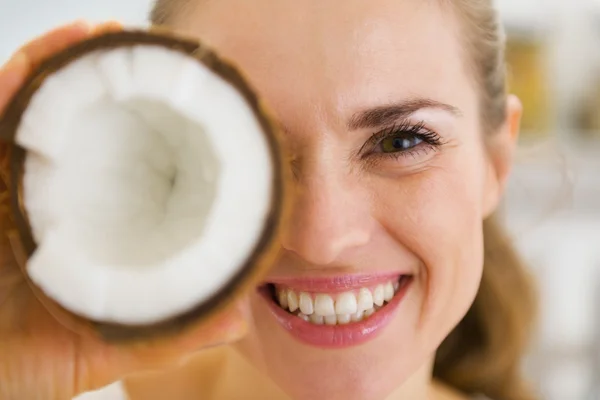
{"type": "Point", "coordinates": [337, 308]}
{"type": "Point", "coordinates": [336, 312]}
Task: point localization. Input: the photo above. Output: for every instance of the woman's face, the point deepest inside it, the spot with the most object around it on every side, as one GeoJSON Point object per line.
{"type": "Point", "coordinates": [392, 181]}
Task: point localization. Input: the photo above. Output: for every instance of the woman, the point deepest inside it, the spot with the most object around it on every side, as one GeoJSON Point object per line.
{"type": "Point", "coordinates": [403, 138]}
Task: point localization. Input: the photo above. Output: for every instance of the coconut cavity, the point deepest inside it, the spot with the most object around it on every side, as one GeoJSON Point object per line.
{"type": "Point", "coordinates": [147, 185]}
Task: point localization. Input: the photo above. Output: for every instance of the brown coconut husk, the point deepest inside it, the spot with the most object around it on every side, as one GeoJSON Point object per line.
{"type": "Point", "coordinates": [18, 228]}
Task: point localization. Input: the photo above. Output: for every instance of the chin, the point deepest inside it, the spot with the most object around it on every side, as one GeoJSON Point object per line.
{"type": "Point", "coordinates": [363, 358]}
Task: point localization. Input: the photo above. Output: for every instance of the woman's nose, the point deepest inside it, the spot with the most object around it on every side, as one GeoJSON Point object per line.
{"type": "Point", "coordinates": [330, 219]}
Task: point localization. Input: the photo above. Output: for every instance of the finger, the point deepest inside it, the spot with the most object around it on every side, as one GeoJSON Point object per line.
{"type": "Point", "coordinates": [14, 73]}
{"type": "Point", "coordinates": [56, 40]}
{"type": "Point", "coordinates": [229, 326]}
{"type": "Point", "coordinates": [60, 38]}
{"type": "Point", "coordinates": [10, 274]}
{"type": "Point", "coordinates": [106, 27]}
{"type": "Point", "coordinates": [12, 76]}
{"type": "Point", "coordinates": [106, 364]}
{"type": "Point", "coordinates": [18, 250]}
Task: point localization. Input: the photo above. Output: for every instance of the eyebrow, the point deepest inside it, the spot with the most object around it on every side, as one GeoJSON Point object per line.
{"type": "Point", "coordinates": [388, 114]}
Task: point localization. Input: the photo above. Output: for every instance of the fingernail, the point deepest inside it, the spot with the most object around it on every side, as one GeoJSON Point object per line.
{"type": "Point", "coordinates": [84, 25]}
{"type": "Point", "coordinates": [114, 24]}
{"type": "Point", "coordinates": [17, 61]}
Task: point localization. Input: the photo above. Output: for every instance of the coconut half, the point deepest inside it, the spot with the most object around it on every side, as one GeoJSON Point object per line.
{"type": "Point", "coordinates": [147, 182]}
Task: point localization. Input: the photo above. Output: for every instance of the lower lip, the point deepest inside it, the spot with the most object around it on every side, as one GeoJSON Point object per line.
{"type": "Point", "coordinates": [335, 336]}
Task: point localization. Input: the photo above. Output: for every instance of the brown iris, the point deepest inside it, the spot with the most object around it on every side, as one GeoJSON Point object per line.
{"type": "Point", "coordinates": [398, 143]}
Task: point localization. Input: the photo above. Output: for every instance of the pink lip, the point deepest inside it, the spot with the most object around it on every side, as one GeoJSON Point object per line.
{"type": "Point", "coordinates": [337, 336]}
{"type": "Point", "coordinates": [335, 284]}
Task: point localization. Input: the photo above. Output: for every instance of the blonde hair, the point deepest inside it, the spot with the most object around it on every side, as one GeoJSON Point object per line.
{"type": "Point", "coordinates": [164, 11]}
{"type": "Point", "coordinates": [483, 354]}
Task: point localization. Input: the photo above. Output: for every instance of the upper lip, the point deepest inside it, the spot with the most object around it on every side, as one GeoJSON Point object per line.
{"type": "Point", "coordinates": [333, 283]}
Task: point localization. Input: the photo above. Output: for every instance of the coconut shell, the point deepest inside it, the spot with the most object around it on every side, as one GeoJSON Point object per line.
{"type": "Point", "coordinates": [12, 159]}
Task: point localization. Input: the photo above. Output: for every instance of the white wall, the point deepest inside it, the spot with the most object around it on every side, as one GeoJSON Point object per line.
{"type": "Point", "coordinates": [20, 20]}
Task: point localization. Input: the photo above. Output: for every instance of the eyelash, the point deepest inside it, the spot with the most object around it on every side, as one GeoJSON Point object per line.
{"type": "Point", "coordinates": [430, 140]}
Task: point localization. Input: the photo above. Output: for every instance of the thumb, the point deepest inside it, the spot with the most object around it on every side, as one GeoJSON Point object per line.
{"type": "Point", "coordinates": [226, 327]}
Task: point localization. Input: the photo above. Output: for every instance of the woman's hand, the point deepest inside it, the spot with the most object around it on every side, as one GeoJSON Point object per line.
{"type": "Point", "coordinates": [39, 358]}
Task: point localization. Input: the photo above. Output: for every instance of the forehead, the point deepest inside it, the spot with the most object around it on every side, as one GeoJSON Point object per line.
{"type": "Point", "coordinates": [343, 54]}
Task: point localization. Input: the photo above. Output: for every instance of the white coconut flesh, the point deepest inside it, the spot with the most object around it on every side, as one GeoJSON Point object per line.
{"type": "Point", "coordinates": [147, 185]}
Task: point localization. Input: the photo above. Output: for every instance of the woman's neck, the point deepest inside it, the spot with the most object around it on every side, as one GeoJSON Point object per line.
{"type": "Point", "coordinates": [222, 373]}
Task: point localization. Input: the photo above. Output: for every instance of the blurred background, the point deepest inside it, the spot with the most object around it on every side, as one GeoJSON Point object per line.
{"type": "Point", "coordinates": [553, 201]}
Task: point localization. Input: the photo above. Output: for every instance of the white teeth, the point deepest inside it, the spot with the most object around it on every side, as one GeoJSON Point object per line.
{"type": "Point", "coordinates": [306, 304]}
{"type": "Point", "coordinates": [304, 317]}
{"type": "Point", "coordinates": [343, 319]}
{"type": "Point", "coordinates": [388, 291]}
{"type": "Point", "coordinates": [347, 307]}
{"type": "Point", "coordinates": [356, 317]}
{"type": "Point", "coordinates": [365, 299]}
{"type": "Point", "coordinates": [324, 305]}
{"type": "Point", "coordinates": [378, 295]}
{"type": "Point", "coordinates": [282, 297]}
{"type": "Point", "coordinates": [346, 304]}
{"type": "Point", "coordinates": [292, 299]}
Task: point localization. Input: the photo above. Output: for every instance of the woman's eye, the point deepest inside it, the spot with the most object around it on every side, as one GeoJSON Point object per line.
{"type": "Point", "coordinates": [399, 143]}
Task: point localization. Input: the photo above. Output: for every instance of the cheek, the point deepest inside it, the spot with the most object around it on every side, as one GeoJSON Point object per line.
{"type": "Point", "coordinates": [437, 216]}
